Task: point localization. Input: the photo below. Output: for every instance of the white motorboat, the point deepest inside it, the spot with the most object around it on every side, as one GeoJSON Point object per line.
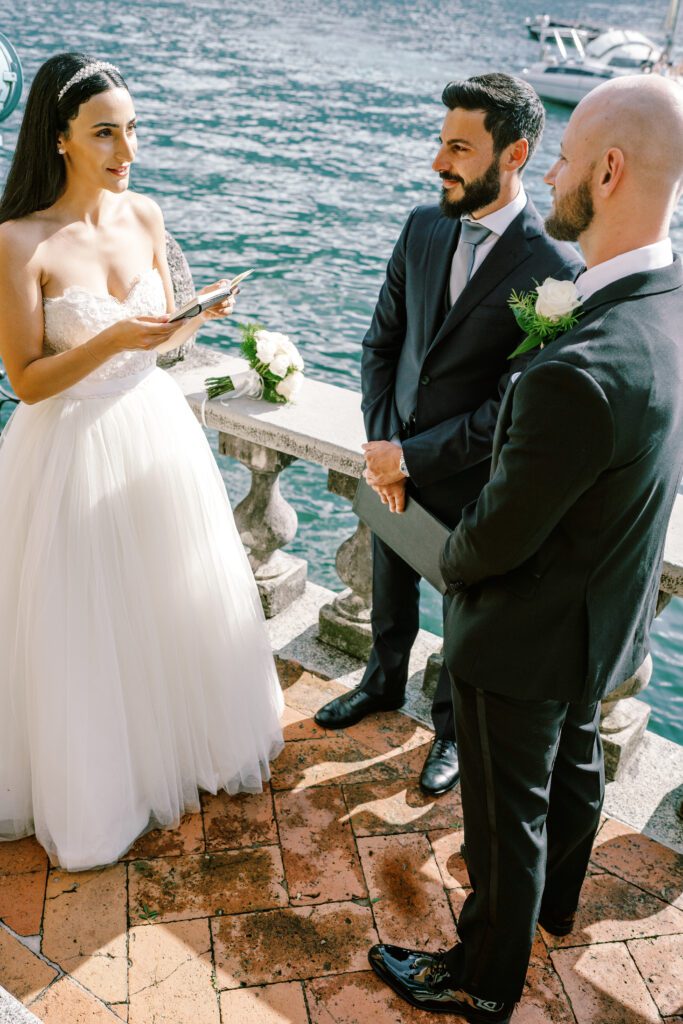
{"type": "Point", "coordinates": [570, 67]}
{"type": "Point", "coordinates": [535, 26]}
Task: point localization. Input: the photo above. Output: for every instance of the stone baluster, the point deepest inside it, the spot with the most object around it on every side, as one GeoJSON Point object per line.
{"type": "Point", "coordinates": [266, 522]}
{"type": "Point", "coordinates": [623, 718]}
{"type": "Point", "coordinates": [432, 672]}
{"type": "Point", "coordinates": [345, 622]}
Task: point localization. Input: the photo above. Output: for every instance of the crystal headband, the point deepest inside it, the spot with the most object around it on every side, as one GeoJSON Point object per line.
{"type": "Point", "coordinates": [87, 72]}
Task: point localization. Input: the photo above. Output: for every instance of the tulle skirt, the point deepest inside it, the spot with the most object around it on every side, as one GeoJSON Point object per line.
{"type": "Point", "coordinates": [135, 668]}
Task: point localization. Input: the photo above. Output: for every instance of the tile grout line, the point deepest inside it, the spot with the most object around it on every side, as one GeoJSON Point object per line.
{"type": "Point", "coordinates": [371, 905]}
{"type": "Point", "coordinates": [643, 979]}
{"type": "Point", "coordinates": [446, 891]}
{"type": "Point", "coordinates": [562, 985]}
{"type": "Point", "coordinates": [636, 885]}
{"type": "Point", "coordinates": [214, 971]}
{"type": "Point", "coordinates": [128, 958]}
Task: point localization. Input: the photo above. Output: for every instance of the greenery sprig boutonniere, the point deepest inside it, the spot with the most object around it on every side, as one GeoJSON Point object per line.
{"type": "Point", "coordinates": [552, 309]}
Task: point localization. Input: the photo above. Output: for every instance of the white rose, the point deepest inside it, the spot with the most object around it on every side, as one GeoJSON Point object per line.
{"type": "Point", "coordinates": [290, 387]}
{"type": "Point", "coordinates": [279, 364]}
{"type": "Point", "coordinates": [281, 341]}
{"type": "Point", "coordinates": [295, 359]}
{"type": "Point", "coordinates": [266, 345]}
{"type": "Point", "coordinates": [556, 298]}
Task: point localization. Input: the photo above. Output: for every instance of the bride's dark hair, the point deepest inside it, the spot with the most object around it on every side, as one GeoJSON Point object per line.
{"type": "Point", "coordinates": [37, 175]}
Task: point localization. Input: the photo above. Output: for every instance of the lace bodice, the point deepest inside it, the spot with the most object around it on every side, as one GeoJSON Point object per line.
{"type": "Point", "coordinates": [76, 316]}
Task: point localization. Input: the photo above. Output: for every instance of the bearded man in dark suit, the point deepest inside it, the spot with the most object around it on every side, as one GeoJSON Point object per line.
{"type": "Point", "coordinates": [435, 364]}
{"type": "Point", "coordinates": [554, 571]}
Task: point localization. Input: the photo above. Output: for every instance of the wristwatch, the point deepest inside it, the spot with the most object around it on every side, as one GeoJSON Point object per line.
{"type": "Point", "coordinates": [402, 466]}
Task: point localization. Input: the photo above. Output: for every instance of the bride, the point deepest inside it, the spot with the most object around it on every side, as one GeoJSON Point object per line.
{"type": "Point", "coordinates": [135, 669]}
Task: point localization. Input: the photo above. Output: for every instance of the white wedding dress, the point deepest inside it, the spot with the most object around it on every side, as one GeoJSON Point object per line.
{"type": "Point", "coordinates": [135, 668]}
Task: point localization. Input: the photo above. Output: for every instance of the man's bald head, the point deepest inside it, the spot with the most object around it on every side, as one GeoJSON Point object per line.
{"type": "Point", "coordinates": [642, 115]}
{"type": "Point", "coordinates": [620, 171]}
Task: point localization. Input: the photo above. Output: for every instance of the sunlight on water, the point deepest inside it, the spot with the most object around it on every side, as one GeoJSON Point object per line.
{"type": "Point", "coordinates": [296, 137]}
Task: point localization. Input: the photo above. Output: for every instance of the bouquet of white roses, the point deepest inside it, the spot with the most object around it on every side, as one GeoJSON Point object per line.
{"type": "Point", "coordinates": [276, 372]}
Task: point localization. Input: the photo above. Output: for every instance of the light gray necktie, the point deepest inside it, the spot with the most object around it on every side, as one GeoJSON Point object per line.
{"type": "Point", "coordinates": [471, 235]}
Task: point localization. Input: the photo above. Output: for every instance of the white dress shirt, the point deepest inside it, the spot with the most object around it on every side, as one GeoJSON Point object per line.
{"type": "Point", "coordinates": [648, 257]}
{"type": "Point", "coordinates": [497, 222]}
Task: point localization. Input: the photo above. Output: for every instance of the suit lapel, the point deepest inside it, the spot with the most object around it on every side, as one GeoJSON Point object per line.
{"type": "Point", "coordinates": [646, 282]}
{"type": "Point", "coordinates": [511, 249]}
{"type": "Point", "coordinates": [650, 282]}
{"type": "Point", "coordinates": [442, 245]}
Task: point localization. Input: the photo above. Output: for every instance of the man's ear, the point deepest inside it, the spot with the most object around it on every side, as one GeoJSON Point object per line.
{"type": "Point", "coordinates": [609, 171]}
{"type": "Point", "coordinates": [515, 156]}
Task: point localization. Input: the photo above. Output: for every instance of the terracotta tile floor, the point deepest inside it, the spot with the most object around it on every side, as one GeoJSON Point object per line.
{"type": "Point", "coordinates": [261, 909]}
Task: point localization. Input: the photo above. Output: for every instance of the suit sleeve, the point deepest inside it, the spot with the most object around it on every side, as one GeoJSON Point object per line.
{"type": "Point", "coordinates": [382, 345]}
{"type": "Point", "coordinates": [459, 442]}
{"type": "Point", "coordinates": [561, 438]}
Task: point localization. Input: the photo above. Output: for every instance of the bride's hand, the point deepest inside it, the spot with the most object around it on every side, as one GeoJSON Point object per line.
{"type": "Point", "coordinates": [223, 308]}
{"type": "Point", "coordinates": [142, 332]}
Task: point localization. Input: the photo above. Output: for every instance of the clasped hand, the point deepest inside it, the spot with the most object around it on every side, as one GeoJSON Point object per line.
{"type": "Point", "coordinates": [382, 472]}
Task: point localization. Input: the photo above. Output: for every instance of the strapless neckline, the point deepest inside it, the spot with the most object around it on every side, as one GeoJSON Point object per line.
{"type": "Point", "coordinates": [76, 289]}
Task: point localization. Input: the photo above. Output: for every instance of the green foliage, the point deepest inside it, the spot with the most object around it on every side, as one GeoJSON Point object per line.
{"type": "Point", "coordinates": [539, 329]}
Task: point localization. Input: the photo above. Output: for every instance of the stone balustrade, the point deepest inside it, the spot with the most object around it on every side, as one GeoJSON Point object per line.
{"type": "Point", "coordinates": [326, 427]}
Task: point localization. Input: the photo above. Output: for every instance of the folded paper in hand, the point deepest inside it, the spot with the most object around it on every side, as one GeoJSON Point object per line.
{"type": "Point", "coordinates": [199, 303]}
{"type": "Point", "coordinates": [415, 535]}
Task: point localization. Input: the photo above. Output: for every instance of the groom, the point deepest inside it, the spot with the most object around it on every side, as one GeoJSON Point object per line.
{"type": "Point", "coordinates": [435, 363]}
{"type": "Point", "coordinates": [555, 569]}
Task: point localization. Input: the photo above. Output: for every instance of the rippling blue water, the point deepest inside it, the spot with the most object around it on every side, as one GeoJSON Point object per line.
{"type": "Point", "coordinates": [295, 136]}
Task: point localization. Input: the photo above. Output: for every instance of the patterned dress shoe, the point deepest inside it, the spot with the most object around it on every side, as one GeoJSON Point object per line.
{"type": "Point", "coordinates": [422, 979]}
{"type": "Point", "coordinates": [441, 770]}
{"type": "Point", "coordinates": [351, 708]}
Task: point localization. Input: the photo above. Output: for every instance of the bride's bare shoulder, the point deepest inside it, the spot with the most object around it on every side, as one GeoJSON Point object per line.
{"type": "Point", "coordinates": [145, 209]}
{"type": "Point", "coordinates": [20, 239]}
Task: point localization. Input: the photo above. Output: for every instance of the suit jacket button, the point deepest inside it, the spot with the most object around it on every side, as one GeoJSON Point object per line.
{"type": "Point", "coordinates": [424, 379]}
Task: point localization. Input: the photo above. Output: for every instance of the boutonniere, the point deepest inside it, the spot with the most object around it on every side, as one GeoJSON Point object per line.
{"type": "Point", "coordinates": [551, 309]}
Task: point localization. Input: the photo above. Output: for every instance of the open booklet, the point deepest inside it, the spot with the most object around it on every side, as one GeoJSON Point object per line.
{"type": "Point", "coordinates": [416, 535]}
{"type": "Point", "coordinates": [199, 303]}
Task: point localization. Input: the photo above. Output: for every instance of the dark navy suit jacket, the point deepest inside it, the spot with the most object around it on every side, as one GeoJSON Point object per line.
{"type": "Point", "coordinates": [560, 557]}
{"type": "Point", "coordinates": [438, 374]}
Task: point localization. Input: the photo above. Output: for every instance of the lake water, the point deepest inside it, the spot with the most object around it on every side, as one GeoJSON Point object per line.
{"type": "Point", "coordinates": [295, 136]}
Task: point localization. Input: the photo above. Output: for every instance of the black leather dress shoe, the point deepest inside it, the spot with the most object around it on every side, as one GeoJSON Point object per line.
{"type": "Point", "coordinates": [422, 979]}
{"type": "Point", "coordinates": [556, 924]}
{"type": "Point", "coordinates": [351, 708]}
{"type": "Point", "coordinates": [441, 769]}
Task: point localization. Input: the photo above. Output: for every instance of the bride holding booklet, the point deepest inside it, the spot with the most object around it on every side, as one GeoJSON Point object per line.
{"type": "Point", "coordinates": [136, 668]}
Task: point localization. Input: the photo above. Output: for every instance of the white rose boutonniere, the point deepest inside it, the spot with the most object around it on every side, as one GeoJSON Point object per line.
{"type": "Point", "coordinates": [552, 309]}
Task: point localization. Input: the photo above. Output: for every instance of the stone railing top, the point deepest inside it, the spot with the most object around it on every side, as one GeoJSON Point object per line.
{"type": "Point", "coordinates": [326, 426]}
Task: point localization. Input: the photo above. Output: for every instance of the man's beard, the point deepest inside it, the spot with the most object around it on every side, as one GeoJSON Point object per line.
{"type": "Point", "coordinates": [572, 215]}
{"type": "Point", "coordinates": [476, 195]}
